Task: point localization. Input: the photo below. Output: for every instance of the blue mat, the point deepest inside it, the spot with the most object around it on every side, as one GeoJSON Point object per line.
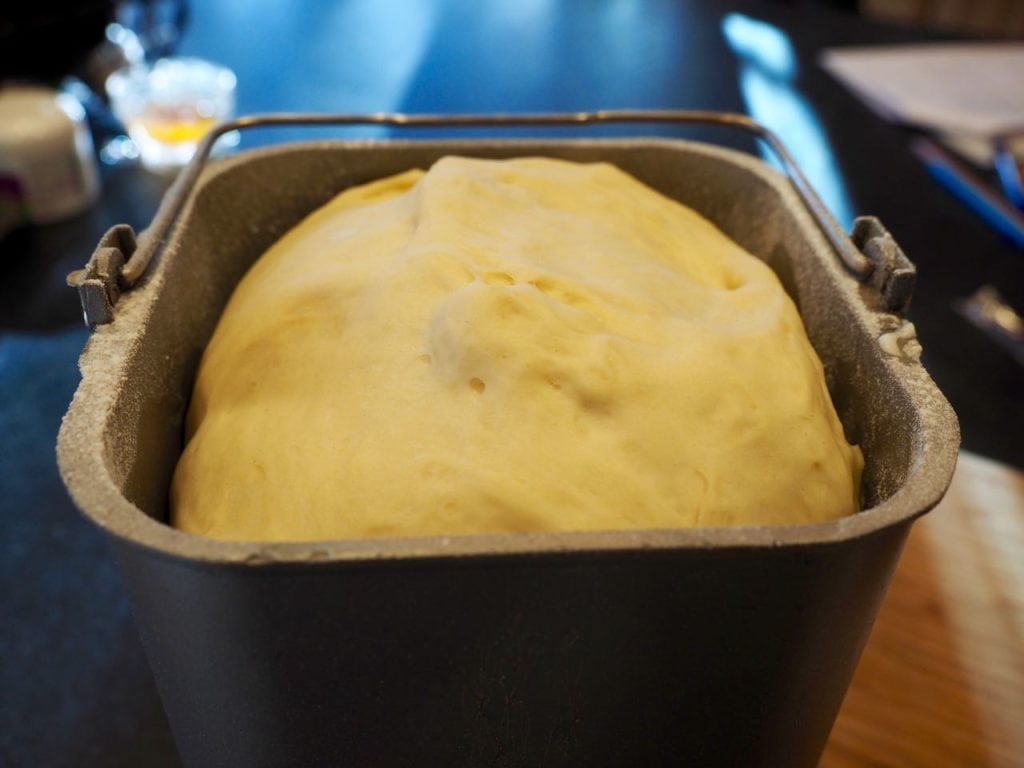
{"type": "Point", "coordinates": [76, 686]}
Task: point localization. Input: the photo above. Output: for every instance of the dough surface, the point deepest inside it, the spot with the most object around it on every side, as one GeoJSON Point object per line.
{"type": "Point", "coordinates": [516, 345]}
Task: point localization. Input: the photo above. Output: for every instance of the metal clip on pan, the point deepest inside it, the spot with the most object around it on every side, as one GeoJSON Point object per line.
{"type": "Point", "coordinates": [871, 256]}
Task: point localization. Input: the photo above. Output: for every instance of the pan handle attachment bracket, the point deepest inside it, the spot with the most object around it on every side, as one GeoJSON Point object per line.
{"type": "Point", "coordinates": [99, 283]}
{"type": "Point", "coordinates": [893, 274]}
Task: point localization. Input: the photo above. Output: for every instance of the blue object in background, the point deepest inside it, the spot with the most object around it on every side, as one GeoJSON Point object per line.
{"type": "Point", "coordinates": [954, 177]}
{"type": "Point", "coordinates": [768, 72]}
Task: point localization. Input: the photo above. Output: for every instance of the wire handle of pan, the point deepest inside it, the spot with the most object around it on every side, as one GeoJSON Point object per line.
{"type": "Point", "coordinates": [120, 261]}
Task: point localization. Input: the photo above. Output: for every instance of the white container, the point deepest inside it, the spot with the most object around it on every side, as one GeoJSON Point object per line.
{"type": "Point", "coordinates": [48, 168]}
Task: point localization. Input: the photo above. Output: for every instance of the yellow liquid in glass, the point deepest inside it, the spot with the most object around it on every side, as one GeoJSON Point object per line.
{"type": "Point", "coordinates": [175, 126]}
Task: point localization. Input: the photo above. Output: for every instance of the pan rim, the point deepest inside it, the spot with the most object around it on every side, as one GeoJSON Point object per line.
{"type": "Point", "coordinates": [91, 477]}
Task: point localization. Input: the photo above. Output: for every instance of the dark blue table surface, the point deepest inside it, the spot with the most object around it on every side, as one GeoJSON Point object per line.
{"type": "Point", "coordinates": [74, 685]}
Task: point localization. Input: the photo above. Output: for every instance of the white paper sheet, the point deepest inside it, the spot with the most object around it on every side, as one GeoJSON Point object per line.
{"type": "Point", "coordinates": [973, 89]}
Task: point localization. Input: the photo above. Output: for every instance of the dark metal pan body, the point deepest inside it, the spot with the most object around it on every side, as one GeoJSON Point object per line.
{"type": "Point", "coordinates": [719, 646]}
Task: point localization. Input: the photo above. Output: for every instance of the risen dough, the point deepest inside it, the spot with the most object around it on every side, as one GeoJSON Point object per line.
{"type": "Point", "coordinates": [514, 345]}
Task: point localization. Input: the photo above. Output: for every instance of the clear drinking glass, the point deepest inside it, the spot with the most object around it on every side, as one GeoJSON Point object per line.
{"type": "Point", "coordinates": [169, 106]}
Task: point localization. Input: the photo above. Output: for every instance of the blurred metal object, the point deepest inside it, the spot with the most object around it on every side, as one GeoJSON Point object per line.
{"type": "Point", "coordinates": [987, 310]}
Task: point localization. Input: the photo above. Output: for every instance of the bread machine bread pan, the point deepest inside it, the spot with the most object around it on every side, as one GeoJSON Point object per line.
{"type": "Point", "coordinates": [711, 647]}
